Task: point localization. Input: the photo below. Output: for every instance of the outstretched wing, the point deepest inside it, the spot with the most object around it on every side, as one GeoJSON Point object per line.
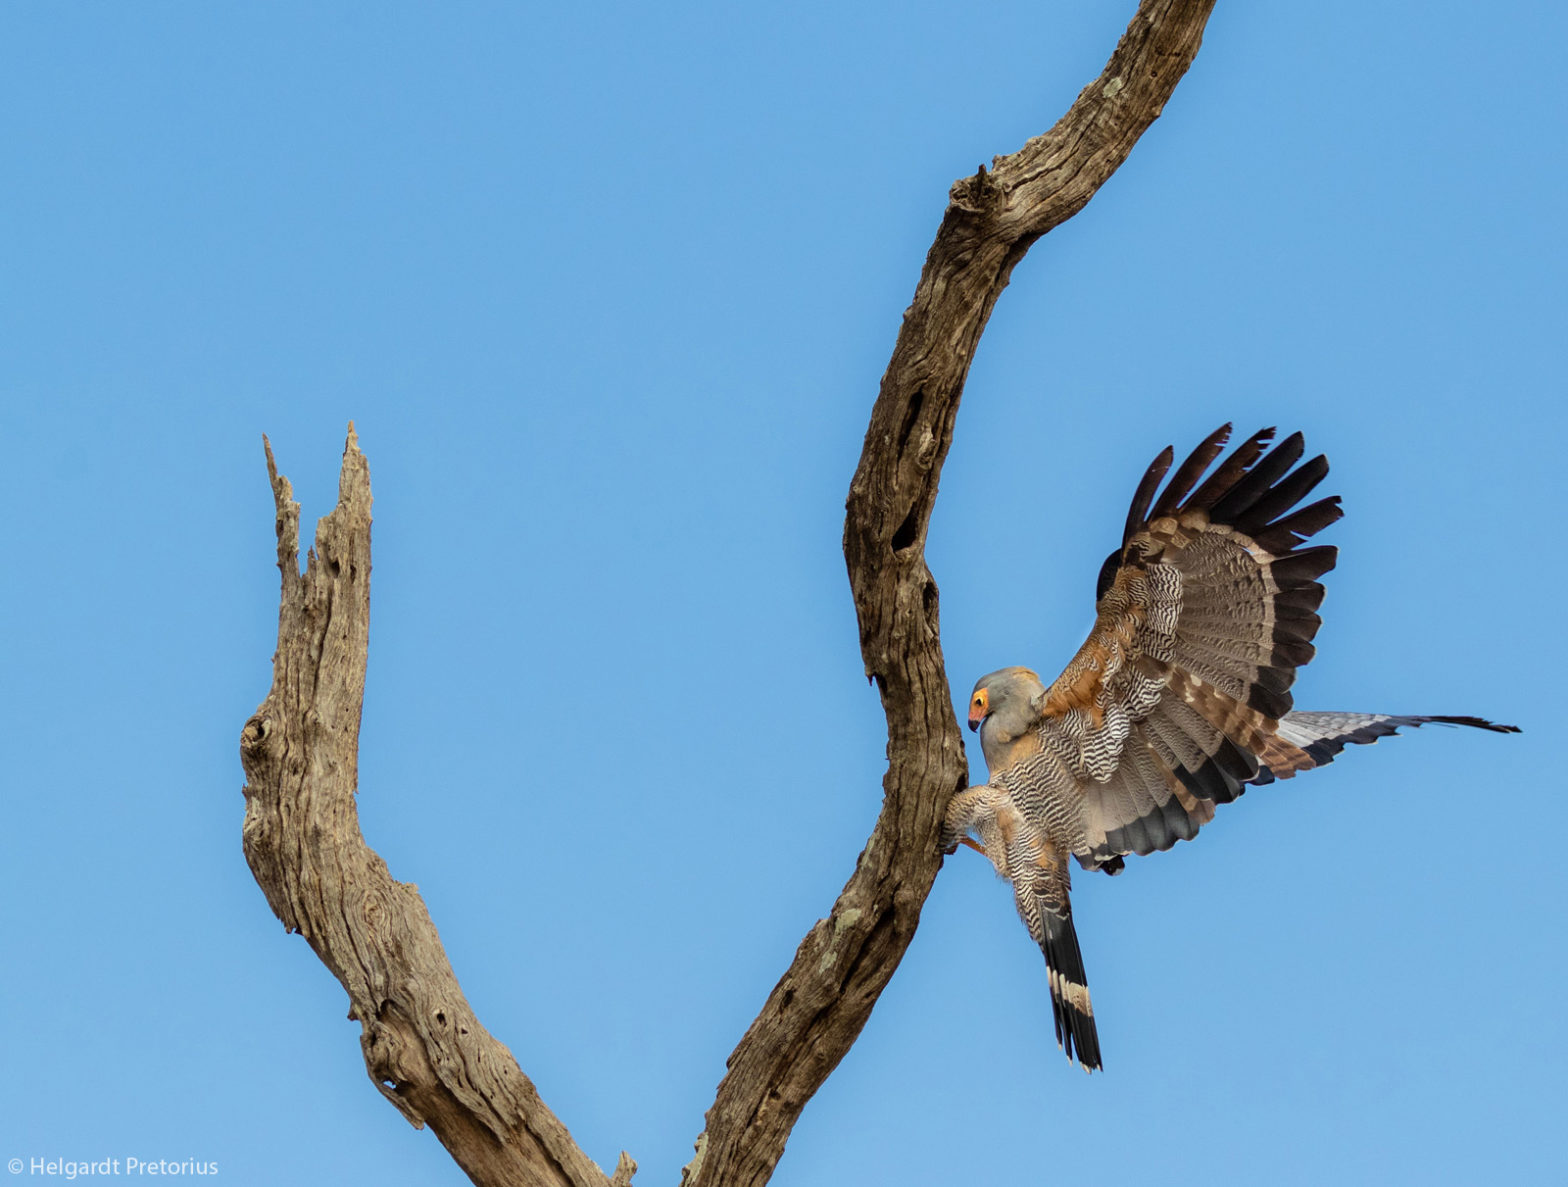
{"type": "Point", "coordinates": [1204, 614]}
{"type": "Point", "coordinates": [1324, 735]}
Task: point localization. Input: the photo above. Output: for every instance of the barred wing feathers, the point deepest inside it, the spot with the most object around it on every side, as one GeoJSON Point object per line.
{"type": "Point", "coordinates": [1324, 735]}
{"type": "Point", "coordinates": [1179, 699]}
{"type": "Point", "coordinates": [1204, 614]}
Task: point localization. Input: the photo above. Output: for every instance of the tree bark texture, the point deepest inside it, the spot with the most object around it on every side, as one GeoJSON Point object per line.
{"type": "Point", "coordinates": [817, 1010]}
{"type": "Point", "coordinates": [423, 1047]}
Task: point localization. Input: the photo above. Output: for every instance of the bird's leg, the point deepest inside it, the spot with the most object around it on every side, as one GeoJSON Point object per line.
{"type": "Point", "coordinates": [965, 811]}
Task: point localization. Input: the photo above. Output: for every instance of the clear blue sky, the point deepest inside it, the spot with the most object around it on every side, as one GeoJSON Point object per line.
{"type": "Point", "coordinates": [608, 291]}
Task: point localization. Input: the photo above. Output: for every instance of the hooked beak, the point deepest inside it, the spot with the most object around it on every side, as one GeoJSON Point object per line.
{"type": "Point", "coordinates": [975, 718]}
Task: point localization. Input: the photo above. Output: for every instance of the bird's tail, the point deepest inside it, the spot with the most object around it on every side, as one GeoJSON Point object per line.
{"type": "Point", "coordinates": [1070, 1005]}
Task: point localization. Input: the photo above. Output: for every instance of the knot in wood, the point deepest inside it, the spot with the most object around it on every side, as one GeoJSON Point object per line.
{"type": "Point", "coordinates": [255, 734]}
{"type": "Point", "coordinates": [975, 195]}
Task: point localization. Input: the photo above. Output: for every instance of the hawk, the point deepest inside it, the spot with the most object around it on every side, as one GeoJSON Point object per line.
{"type": "Point", "coordinates": [1179, 700]}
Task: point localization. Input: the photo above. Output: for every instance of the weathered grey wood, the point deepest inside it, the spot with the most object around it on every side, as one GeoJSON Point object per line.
{"type": "Point", "coordinates": [423, 1047]}
{"type": "Point", "coordinates": [817, 1009]}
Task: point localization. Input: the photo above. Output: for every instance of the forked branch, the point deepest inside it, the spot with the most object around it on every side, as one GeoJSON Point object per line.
{"type": "Point", "coordinates": [423, 1047]}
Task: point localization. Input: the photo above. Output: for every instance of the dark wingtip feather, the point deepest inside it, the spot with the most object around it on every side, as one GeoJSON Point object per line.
{"type": "Point", "coordinates": [1258, 481]}
{"type": "Point", "coordinates": [1231, 470]}
{"type": "Point", "coordinates": [1285, 534]}
{"type": "Point", "coordinates": [1479, 723]}
{"type": "Point", "coordinates": [1137, 514]}
{"type": "Point", "coordinates": [1250, 490]}
{"type": "Point", "coordinates": [1283, 495]}
{"type": "Point", "coordinates": [1297, 570]}
{"type": "Point", "coordinates": [1190, 471]}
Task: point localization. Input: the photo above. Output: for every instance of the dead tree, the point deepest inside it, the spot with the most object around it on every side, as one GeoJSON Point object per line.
{"type": "Point", "coordinates": [423, 1047]}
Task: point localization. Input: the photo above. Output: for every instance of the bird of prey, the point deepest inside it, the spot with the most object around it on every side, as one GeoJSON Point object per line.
{"type": "Point", "coordinates": [1179, 700]}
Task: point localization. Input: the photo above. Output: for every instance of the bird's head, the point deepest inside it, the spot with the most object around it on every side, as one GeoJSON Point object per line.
{"type": "Point", "coordinates": [1010, 698]}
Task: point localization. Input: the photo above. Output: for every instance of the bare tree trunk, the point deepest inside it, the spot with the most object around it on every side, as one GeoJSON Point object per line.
{"type": "Point", "coordinates": [423, 1047]}
{"type": "Point", "coordinates": [816, 1011]}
